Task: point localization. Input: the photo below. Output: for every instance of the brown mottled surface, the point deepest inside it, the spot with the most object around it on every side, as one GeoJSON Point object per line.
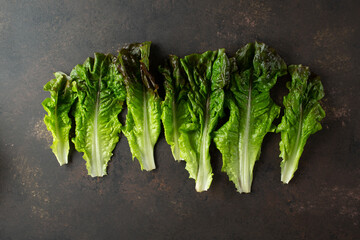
{"type": "Point", "coordinates": [40, 200]}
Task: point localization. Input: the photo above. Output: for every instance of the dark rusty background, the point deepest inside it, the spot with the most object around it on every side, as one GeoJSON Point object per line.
{"type": "Point", "coordinates": [40, 200]}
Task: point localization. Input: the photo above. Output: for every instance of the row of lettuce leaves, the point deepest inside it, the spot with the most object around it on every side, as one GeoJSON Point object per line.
{"type": "Point", "coordinates": [198, 88]}
{"type": "Point", "coordinates": [96, 92]}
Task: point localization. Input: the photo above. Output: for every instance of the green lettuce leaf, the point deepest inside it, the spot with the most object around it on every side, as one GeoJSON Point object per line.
{"type": "Point", "coordinates": [143, 125]}
{"type": "Point", "coordinates": [174, 108]}
{"type": "Point", "coordinates": [208, 74]}
{"type": "Point", "coordinates": [255, 70]}
{"type": "Point", "coordinates": [58, 107]}
{"type": "Point", "coordinates": [101, 94]}
{"type": "Point", "coordinates": [302, 117]}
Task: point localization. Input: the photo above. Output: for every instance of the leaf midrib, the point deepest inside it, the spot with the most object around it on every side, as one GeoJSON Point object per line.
{"type": "Point", "coordinates": [96, 148]}
{"type": "Point", "coordinates": [244, 171]}
{"type": "Point", "coordinates": [147, 155]}
{"type": "Point", "coordinates": [298, 136]}
{"type": "Point", "coordinates": [202, 161]}
{"type": "Point", "coordinates": [175, 127]}
{"type": "Point", "coordinates": [61, 155]}
{"type": "Point", "coordinates": [289, 169]}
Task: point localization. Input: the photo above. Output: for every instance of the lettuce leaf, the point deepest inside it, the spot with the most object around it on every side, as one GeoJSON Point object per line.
{"type": "Point", "coordinates": [255, 70]}
{"type": "Point", "coordinates": [174, 108]}
{"type": "Point", "coordinates": [302, 117]}
{"type": "Point", "coordinates": [143, 126]}
{"type": "Point", "coordinates": [208, 74]}
{"type": "Point", "coordinates": [58, 107]}
{"type": "Point", "coordinates": [101, 94]}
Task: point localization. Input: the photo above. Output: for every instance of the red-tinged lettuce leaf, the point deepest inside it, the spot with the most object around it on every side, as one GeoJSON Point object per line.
{"type": "Point", "coordinates": [143, 125]}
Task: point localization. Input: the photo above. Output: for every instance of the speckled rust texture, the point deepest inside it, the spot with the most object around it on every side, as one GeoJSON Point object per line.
{"type": "Point", "coordinates": [40, 200]}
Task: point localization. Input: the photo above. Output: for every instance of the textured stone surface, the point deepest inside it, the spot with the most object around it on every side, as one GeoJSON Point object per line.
{"type": "Point", "coordinates": [40, 200]}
